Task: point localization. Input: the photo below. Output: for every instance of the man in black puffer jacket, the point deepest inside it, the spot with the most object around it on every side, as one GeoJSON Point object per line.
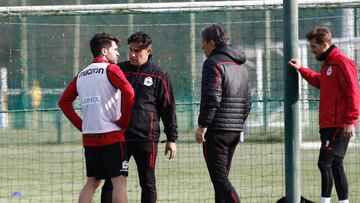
{"type": "Point", "coordinates": [225, 105]}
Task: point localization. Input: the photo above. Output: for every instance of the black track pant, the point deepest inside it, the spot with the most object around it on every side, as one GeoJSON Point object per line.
{"type": "Point", "coordinates": [332, 152]}
{"type": "Point", "coordinates": [218, 152]}
{"type": "Point", "coordinates": [144, 154]}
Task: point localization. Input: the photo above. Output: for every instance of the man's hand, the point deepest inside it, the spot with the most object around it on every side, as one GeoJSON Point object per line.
{"type": "Point", "coordinates": [170, 148]}
{"type": "Point", "coordinates": [294, 63]}
{"type": "Point", "coordinates": [200, 135]}
{"type": "Point", "coordinates": [349, 130]}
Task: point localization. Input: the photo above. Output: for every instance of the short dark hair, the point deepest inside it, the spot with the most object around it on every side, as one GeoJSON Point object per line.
{"type": "Point", "coordinates": [321, 34]}
{"type": "Point", "coordinates": [101, 40]}
{"type": "Point", "coordinates": [142, 38]}
{"type": "Point", "coordinates": [217, 33]}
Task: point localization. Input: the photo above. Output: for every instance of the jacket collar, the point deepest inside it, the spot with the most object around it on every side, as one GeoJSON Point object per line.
{"type": "Point", "coordinates": [100, 60]}
{"type": "Point", "coordinates": [328, 53]}
{"type": "Point", "coordinates": [145, 64]}
{"type": "Point", "coordinates": [333, 53]}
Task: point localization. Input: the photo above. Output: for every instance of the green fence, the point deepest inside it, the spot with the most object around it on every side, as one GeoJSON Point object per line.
{"type": "Point", "coordinates": [41, 154]}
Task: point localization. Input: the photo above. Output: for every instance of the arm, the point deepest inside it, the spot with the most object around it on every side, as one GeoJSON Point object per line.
{"type": "Point", "coordinates": [211, 93]}
{"type": "Point", "coordinates": [248, 102]}
{"type": "Point", "coordinates": [349, 84]}
{"type": "Point", "coordinates": [312, 77]}
{"type": "Point", "coordinates": [167, 110]}
{"type": "Point", "coordinates": [66, 106]}
{"type": "Point", "coordinates": [118, 80]}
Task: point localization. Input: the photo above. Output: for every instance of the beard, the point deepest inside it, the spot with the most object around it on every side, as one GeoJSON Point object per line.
{"type": "Point", "coordinates": [322, 56]}
{"type": "Point", "coordinates": [112, 60]}
{"type": "Point", "coordinates": [319, 57]}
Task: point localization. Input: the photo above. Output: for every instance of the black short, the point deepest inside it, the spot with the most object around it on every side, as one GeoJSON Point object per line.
{"type": "Point", "coordinates": [107, 161]}
{"type": "Point", "coordinates": [333, 141]}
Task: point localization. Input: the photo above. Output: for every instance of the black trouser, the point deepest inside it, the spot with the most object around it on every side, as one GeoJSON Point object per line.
{"type": "Point", "coordinates": [218, 152]}
{"type": "Point", "coordinates": [144, 154]}
{"type": "Point", "coordinates": [331, 156]}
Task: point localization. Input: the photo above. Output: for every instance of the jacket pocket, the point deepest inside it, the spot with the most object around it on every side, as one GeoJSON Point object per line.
{"type": "Point", "coordinates": [144, 124]}
{"type": "Point", "coordinates": [140, 123]}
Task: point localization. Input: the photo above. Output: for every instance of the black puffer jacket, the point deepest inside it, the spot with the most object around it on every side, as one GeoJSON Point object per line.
{"type": "Point", "coordinates": [225, 93]}
{"type": "Point", "coordinates": [154, 99]}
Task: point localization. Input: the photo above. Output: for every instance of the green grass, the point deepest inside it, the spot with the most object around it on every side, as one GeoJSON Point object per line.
{"type": "Point", "coordinates": [55, 172]}
{"type": "Point", "coordinates": [32, 162]}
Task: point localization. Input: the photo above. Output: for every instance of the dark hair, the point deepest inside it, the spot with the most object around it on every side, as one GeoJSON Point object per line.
{"type": "Point", "coordinates": [101, 40]}
{"type": "Point", "coordinates": [217, 33]}
{"type": "Point", "coordinates": [320, 34]}
{"type": "Point", "coordinates": [142, 38]}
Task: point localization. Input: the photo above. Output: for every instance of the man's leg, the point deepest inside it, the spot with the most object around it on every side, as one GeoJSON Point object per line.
{"type": "Point", "coordinates": [341, 183]}
{"type": "Point", "coordinates": [234, 139]}
{"type": "Point", "coordinates": [92, 183]}
{"type": "Point", "coordinates": [324, 165]}
{"type": "Point", "coordinates": [326, 158]}
{"type": "Point", "coordinates": [107, 189]}
{"type": "Point", "coordinates": [106, 192]}
{"type": "Point", "coordinates": [216, 153]}
{"type": "Point", "coordinates": [145, 157]}
{"type": "Point", "coordinates": [119, 189]}
{"type": "Point", "coordinates": [88, 190]}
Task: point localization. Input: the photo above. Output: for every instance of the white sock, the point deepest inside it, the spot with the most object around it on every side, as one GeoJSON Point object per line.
{"type": "Point", "coordinates": [325, 200]}
{"type": "Point", "coordinates": [344, 201]}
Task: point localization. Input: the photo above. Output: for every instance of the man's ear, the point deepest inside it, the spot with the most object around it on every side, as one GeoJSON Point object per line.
{"type": "Point", "coordinates": [149, 50]}
{"type": "Point", "coordinates": [104, 51]}
{"type": "Point", "coordinates": [212, 43]}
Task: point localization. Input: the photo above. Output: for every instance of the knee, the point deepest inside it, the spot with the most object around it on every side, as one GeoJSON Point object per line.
{"type": "Point", "coordinates": [221, 182]}
{"type": "Point", "coordinates": [148, 182]}
{"type": "Point", "coordinates": [93, 183]}
{"type": "Point", "coordinates": [337, 164]}
{"type": "Point", "coordinates": [119, 180]}
{"type": "Point", "coordinates": [324, 165]}
{"type": "Point", "coordinates": [97, 183]}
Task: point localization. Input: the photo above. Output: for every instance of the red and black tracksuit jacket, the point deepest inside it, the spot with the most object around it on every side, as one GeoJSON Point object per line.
{"type": "Point", "coordinates": [225, 90]}
{"type": "Point", "coordinates": [154, 99]}
{"type": "Point", "coordinates": [339, 90]}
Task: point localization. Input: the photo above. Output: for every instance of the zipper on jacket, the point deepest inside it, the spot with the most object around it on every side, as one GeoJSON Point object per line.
{"type": "Point", "coordinates": [151, 126]}
{"type": "Point", "coordinates": [335, 113]}
{"type": "Point", "coordinates": [135, 78]}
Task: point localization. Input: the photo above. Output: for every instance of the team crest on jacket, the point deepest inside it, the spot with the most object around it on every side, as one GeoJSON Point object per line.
{"type": "Point", "coordinates": [125, 166]}
{"type": "Point", "coordinates": [329, 71]}
{"type": "Point", "coordinates": [148, 81]}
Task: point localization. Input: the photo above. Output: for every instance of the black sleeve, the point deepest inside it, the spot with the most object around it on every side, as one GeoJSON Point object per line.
{"type": "Point", "coordinates": [248, 102]}
{"type": "Point", "coordinates": [211, 93]}
{"type": "Point", "coordinates": [167, 109]}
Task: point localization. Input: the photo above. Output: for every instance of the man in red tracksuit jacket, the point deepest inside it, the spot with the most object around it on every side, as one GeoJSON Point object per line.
{"type": "Point", "coordinates": [338, 109]}
{"type": "Point", "coordinates": [106, 99]}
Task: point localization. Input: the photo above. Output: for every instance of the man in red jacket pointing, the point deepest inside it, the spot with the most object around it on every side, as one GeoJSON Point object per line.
{"type": "Point", "coordinates": [338, 109]}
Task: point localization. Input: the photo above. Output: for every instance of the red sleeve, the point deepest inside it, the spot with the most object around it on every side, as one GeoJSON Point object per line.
{"type": "Point", "coordinates": [312, 77]}
{"type": "Point", "coordinates": [348, 77]}
{"type": "Point", "coordinates": [119, 81]}
{"type": "Point", "coordinates": [66, 106]}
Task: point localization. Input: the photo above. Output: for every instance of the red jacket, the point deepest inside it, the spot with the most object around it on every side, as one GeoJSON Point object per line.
{"type": "Point", "coordinates": [339, 90]}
